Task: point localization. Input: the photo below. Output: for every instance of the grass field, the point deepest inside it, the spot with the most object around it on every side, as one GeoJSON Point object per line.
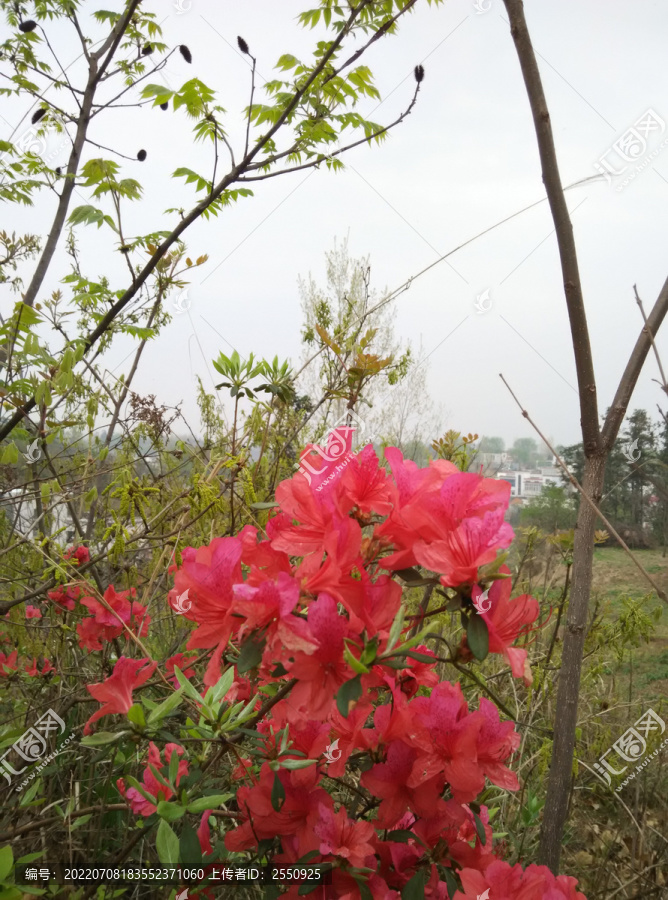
{"type": "Point", "coordinates": [616, 576]}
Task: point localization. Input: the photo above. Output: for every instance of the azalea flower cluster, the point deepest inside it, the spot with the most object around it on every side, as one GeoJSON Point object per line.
{"type": "Point", "coordinates": [314, 609]}
{"type": "Point", "coordinates": [106, 622]}
{"type": "Point", "coordinates": [9, 664]}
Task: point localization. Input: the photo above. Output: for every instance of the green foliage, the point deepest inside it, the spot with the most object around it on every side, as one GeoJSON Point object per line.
{"type": "Point", "coordinates": [456, 448]}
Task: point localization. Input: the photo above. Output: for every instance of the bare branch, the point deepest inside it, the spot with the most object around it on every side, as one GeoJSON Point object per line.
{"type": "Point", "coordinates": [564, 228]}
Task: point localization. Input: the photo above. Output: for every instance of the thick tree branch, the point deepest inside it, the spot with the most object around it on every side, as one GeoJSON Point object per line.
{"type": "Point", "coordinates": [633, 368]}
{"type": "Point", "coordinates": [564, 228]}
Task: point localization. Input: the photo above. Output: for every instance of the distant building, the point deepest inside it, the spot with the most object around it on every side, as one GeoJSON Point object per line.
{"type": "Point", "coordinates": [527, 485]}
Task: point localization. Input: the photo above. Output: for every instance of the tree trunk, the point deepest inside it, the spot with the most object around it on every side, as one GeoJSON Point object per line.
{"type": "Point", "coordinates": [558, 790]}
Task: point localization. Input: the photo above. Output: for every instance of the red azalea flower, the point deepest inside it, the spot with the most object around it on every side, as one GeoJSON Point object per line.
{"type": "Point", "coordinates": [91, 634]}
{"type": "Point", "coordinates": [453, 731]}
{"type": "Point", "coordinates": [182, 661]}
{"type": "Point", "coordinates": [389, 782]}
{"type": "Point", "coordinates": [503, 880]}
{"type": "Point", "coordinates": [32, 612]}
{"type": "Point", "coordinates": [271, 606]}
{"type": "Point", "coordinates": [298, 813]}
{"type": "Point", "coordinates": [461, 552]}
{"type": "Point", "coordinates": [506, 620]}
{"type": "Point", "coordinates": [321, 674]}
{"type": "Point", "coordinates": [124, 611]}
{"type": "Point", "coordinates": [208, 574]}
{"type": "Point", "coordinates": [344, 837]}
{"type": "Point", "coordinates": [364, 485]}
{"type": "Point", "coordinates": [8, 664]}
{"type": "Point", "coordinates": [204, 832]}
{"type": "Point", "coordinates": [78, 555]}
{"type": "Point", "coordinates": [115, 692]}
{"type": "Point", "coordinates": [65, 599]}
{"type": "Point", "coordinates": [160, 789]}
{"type": "Point", "coordinates": [32, 671]}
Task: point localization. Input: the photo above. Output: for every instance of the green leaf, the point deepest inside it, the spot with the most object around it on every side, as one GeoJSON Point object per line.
{"type": "Point", "coordinates": [167, 844]}
{"type": "Point", "coordinates": [480, 828]}
{"type": "Point", "coordinates": [414, 889]}
{"type": "Point", "coordinates": [189, 688]}
{"type": "Point", "coordinates": [170, 812]}
{"type": "Point", "coordinates": [166, 707]}
{"type": "Point", "coordinates": [212, 801]}
{"type": "Point", "coordinates": [400, 835]}
{"type": "Point", "coordinates": [216, 693]}
{"type": "Point", "coordinates": [263, 505]}
{"type": "Point", "coordinates": [10, 454]}
{"type": "Point", "coordinates": [190, 852]}
{"type": "Point", "coordinates": [102, 738]}
{"type": "Point", "coordinates": [396, 628]}
{"type": "Point", "coordinates": [6, 861]}
{"type": "Point", "coordinates": [421, 657]}
{"type": "Point", "coordinates": [250, 655]}
{"type": "Point", "coordinates": [297, 763]}
{"type": "Point", "coordinates": [477, 636]}
{"type": "Point", "coordinates": [348, 693]}
{"type": "Point", "coordinates": [353, 662]}
{"type": "Point", "coordinates": [136, 715]}
{"type": "Point", "coordinates": [451, 882]}
{"type": "Point", "coordinates": [277, 793]}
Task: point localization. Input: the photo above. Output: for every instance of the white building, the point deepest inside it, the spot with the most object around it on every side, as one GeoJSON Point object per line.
{"type": "Point", "coordinates": [527, 485]}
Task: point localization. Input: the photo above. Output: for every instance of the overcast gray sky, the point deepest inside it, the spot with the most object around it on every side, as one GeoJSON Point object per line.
{"type": "Point", "coordinates": [465, 159]}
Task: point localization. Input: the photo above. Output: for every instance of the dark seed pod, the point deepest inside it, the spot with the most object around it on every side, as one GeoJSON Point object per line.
{"type": "Point", "coordinates": [419, 73]}
{"type": "Point", "coordinates": [185, 53]}
{"type": "Point", "coordinates": [147, 49]}
{"type": "Point", "coordinates": [57, 170]}
{"type": "Point", "coordinates": [164, 105]}
{"type": "Point", "coordinates": [141, 156]}
{"type": "Point", "coordinates": [243, 46]}
{"type": "Point", "coordinates": [25, 27]}
{"type": "Point", "coordinates": [125, 249]}
{"type": "Point", "coordinates": [39, 114]}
